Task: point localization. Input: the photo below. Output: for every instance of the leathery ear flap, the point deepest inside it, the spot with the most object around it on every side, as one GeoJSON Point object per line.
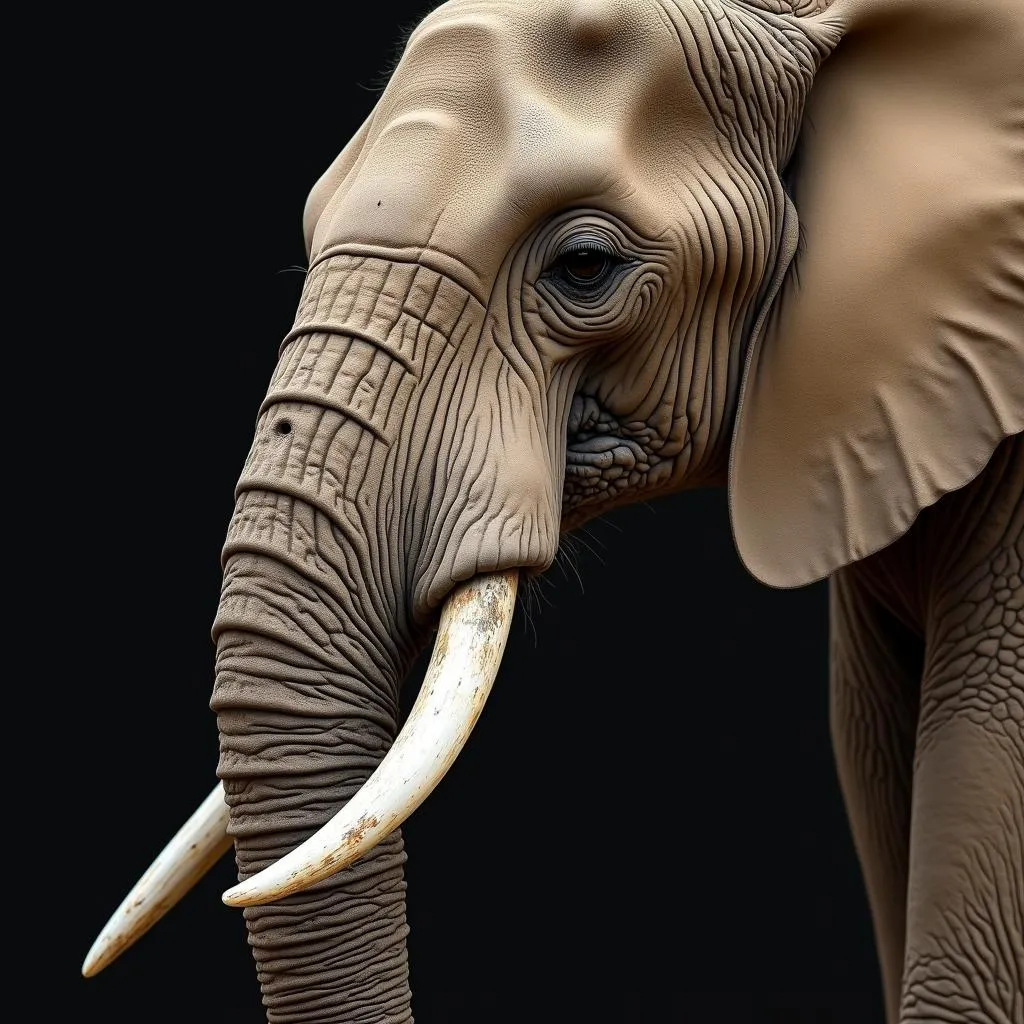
{"type": "Point", "coordinates": [891, 362]}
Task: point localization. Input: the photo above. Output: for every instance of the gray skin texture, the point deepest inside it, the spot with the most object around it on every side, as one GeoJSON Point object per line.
{"type": "Point", "coordinates": [927, 713]}
{"type": "Point", "coordinates": [570, 261]}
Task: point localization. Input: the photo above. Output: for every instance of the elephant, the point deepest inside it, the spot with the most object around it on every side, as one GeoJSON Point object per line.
{"type": "Point", "coordinates": [587, 253]}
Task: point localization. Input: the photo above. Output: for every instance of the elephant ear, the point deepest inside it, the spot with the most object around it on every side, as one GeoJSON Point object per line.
{"type": "Point", "coordinates": [891, 362]}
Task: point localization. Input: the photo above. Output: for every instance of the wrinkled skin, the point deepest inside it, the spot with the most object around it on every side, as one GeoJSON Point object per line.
{"type": "Point", "coordinates": [536, 284]}
{"type": "Point", "coordinates": [926, 690]}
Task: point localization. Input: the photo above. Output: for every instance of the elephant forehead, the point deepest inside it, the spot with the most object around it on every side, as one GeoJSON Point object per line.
{"type": "Point", "coordinates": [502, 113]}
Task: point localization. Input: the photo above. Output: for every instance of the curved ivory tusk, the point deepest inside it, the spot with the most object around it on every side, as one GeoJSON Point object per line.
{"type": "Point", "coordinates": [467, 655]}
{"type": "Point", "coordinates": [196, 847]}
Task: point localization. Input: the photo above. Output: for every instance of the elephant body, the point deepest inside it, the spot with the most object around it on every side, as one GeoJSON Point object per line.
{"type": "Point", "coordinates": [584, 253]}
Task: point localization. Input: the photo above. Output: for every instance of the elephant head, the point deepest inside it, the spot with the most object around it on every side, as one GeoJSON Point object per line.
{"type": "Point", "coordinates": [584, 253]}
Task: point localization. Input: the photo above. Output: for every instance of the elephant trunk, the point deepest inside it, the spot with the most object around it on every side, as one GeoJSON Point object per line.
{"type": "Point", "coordinates": [372, 491]}
{"type": "Point", "coordinates": [306, 697]}
{"type": "Point", "coordinates": [403, 468]}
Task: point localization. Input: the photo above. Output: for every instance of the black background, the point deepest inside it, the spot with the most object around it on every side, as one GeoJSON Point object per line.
{"type": "Point", "coordinates": [646, 823]}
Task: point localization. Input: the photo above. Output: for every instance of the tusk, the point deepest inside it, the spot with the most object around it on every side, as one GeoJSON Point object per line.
{"type": "Point", "coordinates": [196, 847]}
{"type": "Point", "coordinates": [467, 654]}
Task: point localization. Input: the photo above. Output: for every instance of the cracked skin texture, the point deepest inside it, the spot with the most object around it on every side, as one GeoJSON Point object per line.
{"type": "Point", "coordinates": [927, 689]}
{"type": "Point", "coordinates": [586, 252]}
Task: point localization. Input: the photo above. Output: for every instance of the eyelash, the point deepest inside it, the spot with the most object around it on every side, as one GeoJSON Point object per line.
{"type": "Point", "coordinates": [595, 246]}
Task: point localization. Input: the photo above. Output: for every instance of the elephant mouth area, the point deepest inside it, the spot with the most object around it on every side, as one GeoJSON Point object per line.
{"type": "Point", "coordinates": [602, 452]}
{"type": "Point", "coordinates": [604, 458]}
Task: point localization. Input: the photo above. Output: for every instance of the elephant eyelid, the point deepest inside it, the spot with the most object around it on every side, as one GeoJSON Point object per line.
{"type": "Point", "coordinates": [584, 265]}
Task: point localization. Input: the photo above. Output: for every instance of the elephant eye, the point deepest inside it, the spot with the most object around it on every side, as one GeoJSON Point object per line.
{"type": "Point", "coordinates": [585, 264]}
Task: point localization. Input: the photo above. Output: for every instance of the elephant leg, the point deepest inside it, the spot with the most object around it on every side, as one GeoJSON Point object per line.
{"type": "Point", "coordinates": [965, 909]}
{"type": "Point", "coordinates": [875, 671]}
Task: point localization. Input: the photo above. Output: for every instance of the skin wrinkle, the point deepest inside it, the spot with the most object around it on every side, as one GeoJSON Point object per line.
{"type": "Point", "coordinates": [418, 256]}
{"type": "Point", "coordinates": [358, 744]}
{"type": "Point", "coordinates": [385, 612]}
{"type": "Point", "coordinates": [748, 119]}
{"type": "Point", "coordinates": [720, 283]}
{"type": "Point", "coordinates": [693, 47]}
{"type": "Point", "coordinates": [258, 590]}
{"type": "Point", "coordinates": [404, 484]}
{"type": "Point", "coordinates": [733, 285]}
{"type": "Point", "coordinates": [746, 248]}
{"type": "Point", "coordinates": [283, 488]}
{"type": "Point", "coordinates": [370, 616]}
{"type": "Point", "coordinates": [970, 362]}
{"type": "Point", "coordinates": [454, 477]}
{"type": "Point", "coordinates": [773, 105]}
{"type": "Point", "coordinates": [519, 358]}
{"type": "Point", "coordinates": [557, 436]}
{"type": "Point", "coordinates": [688, 336]}
{"type": "Point", "coordinates": [990, 933]}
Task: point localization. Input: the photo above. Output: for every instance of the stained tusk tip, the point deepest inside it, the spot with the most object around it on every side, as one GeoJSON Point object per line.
{"type": "Point", "coordinates": [100, 956]}
{"type": "Point", "coordinates": [233, 898]}
{"type": "Point", "coordinates": [245, 896]}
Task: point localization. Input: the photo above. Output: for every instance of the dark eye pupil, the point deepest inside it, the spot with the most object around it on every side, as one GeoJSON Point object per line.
{"type": "Point", "coordinates": [585, 265]}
